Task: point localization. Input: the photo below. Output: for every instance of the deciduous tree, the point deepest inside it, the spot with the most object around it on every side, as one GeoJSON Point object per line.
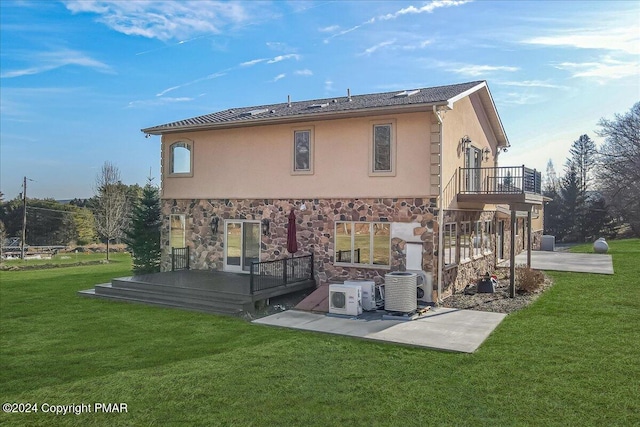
{"type": "Point", "coordinates": [110, 208]}
{"type": "Point", "coordinates": [618, 171]}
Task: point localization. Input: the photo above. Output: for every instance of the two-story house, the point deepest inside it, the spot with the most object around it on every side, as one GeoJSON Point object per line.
{"type": "Point", "coordinates": [376, 182]}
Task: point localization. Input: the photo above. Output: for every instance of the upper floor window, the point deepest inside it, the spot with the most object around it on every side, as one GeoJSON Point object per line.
{"type": "Point", "coordinates": [383, 146]}
{"type": "Point", "coordinates": [302, 151]}
{"type": "Point", "coordinates": [181, 158]}
{"type": "Point", "coordinates": [363, 243]}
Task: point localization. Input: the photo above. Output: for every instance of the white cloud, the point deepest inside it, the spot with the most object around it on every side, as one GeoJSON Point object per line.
{"type": "Point", "coordinates": [158, 101]}
{"type": "Point", "coordinates": [328, 86]}
{"type": "Point", "coordinates": [427, 8]}
{"type": "Point", "coordinates": [475, 70]}
{"type": "Point", "coordinates": [372, 49]}
{"type": "Point", "coordinates": [329, 29]}
{"type": "Point", "coordinates": [201, 79]}
{"type": "Point", "coordinates": [46, 61]}
{"type": "Point", "coordinates": [283, 57]}
{"type": "Point", "coordinates": [305, 72]}
{"type": "Point", "coordinates": [278, 77]}
{"type": "Point", "coordinates": [531, 83]}
{"type": "Point", "coordinates": [164, 20]}
{"type": "Point", "coordinates": [341, 33]}
{"type": "Point", "coordinates": [519, 98]}
{"type": "Point", "coordinates": [602, 71]}
{"type": "Point", "coordinates": [252, 62]}
{"type": "Point", "coordinates": [625, 39]}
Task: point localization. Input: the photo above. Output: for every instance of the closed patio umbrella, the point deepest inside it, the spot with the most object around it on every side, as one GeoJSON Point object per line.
{"type": "Point", "coordinates": [292, 240]}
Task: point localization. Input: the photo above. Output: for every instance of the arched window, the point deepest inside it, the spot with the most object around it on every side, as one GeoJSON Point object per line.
{"type": "Point", "coordinates": [181, 162]}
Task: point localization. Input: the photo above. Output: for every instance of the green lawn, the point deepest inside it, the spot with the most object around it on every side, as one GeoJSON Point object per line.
{"type": "Point", "coordinates": [572, 358]}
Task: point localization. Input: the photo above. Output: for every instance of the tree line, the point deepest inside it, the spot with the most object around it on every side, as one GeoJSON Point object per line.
{"type": "Point", "coordinates": [116, 213]}
{"type": "Point", "coordinates": [599, 193]}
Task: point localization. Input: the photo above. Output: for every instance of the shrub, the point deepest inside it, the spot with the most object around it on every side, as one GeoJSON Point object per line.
{"type": "Point", "coordinates": [528, 280]}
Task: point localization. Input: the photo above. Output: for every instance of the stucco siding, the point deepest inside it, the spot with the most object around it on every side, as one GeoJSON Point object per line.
{"type": "Point", "coordinates": [256, 162]}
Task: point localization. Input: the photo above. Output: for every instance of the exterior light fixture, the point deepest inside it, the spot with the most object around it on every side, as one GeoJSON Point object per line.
{"type": "Point", "coordinates": [486, 152]}
{"type": "Point", "coordinates": [214, 224]}
{"type": "Point", "coordinates": [464, 142]}
{"type": "Point", "coordinates": [265, 227]}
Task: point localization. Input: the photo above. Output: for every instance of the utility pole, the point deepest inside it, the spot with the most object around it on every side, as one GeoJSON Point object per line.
{"type": "Point", "coordinates": [24, 217]}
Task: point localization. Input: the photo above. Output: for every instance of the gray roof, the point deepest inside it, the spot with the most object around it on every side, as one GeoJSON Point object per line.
{"type": "Point", "coordinates": [317, 108]}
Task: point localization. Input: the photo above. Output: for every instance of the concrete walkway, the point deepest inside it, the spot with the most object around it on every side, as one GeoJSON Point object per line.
{"type": "Point", "coordinates": [442, 328]}
{"type": "Point", "coordinates": [565, 261]}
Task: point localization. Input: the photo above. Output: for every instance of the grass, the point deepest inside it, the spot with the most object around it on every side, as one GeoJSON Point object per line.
{"type": "Point", "coordinates": [571, 358]}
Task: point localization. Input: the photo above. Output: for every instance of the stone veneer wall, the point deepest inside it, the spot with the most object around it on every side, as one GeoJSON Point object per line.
{"type": "Point", "coordinates": [315, 229]}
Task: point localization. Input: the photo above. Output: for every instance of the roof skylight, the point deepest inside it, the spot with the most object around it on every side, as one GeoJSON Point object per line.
{"type": "Point", "coordinates": [318, 105]}
{"type": "Point", "coordinates": [254, 112]}
{"type": "Point", "coordinates": [406, 93]}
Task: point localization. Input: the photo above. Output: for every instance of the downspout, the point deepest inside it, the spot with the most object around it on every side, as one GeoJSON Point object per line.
{"type": "Point", "coordinates": [440, 207]}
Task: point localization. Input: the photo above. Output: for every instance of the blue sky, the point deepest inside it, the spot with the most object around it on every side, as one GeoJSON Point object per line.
{"type": "Point", "coordinates": [80, 79]}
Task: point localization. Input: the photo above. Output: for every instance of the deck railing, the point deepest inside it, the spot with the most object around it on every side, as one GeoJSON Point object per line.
{"type": "Point", "coordinates": [499, 180]}
{"type": "Point", "coordinates": [179, 258]}
{"type": "Point", "coordinates": [345, 256]}
{"type": "Point", "coordinates": [271, 274]}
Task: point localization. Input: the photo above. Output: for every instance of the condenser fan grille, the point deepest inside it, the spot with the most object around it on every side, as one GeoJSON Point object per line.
{"type": "Point", "coordinates": [338, 300]}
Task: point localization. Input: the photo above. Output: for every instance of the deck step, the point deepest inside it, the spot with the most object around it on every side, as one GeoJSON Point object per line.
{"type": "Point", "coordinates": [212, 292]}
{"type": "Point", "coordinates": [90, 293]}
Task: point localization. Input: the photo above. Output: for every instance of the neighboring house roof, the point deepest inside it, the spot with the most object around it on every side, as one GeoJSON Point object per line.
{"type": "Point", "coordinates": [442, 97]}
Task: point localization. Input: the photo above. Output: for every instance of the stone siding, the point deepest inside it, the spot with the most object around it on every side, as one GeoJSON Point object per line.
{"type": "Point", "coordinates": [315, 230]}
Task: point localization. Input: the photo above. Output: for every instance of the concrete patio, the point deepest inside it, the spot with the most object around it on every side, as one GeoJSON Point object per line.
{"type": "Point", "coordinates": [445, 329]}
{"type": "Point", "coordinates": [566, 261]}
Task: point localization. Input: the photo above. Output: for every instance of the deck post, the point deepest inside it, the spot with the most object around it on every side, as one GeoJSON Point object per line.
{"type": "Point", "coordinates": [529, 245]}
{"type": "Point", "coordinates": [512, 255]}
{"type": "Point", "coordinates": [312, 266]}
{"type": "Point", "coordinates": [284, 270]}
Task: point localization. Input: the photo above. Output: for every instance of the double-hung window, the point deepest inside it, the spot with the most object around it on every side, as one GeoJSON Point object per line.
{"type": "Point", "coordinates": [363, 243]}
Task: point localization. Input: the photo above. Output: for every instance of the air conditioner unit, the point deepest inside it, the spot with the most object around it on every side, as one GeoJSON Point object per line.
{"type": "Point", "coordinates": [345, 300]}
{"type": "Point", "coordinates": [368, 292]}
{"type": "Point", "coordinates": [425, 286]}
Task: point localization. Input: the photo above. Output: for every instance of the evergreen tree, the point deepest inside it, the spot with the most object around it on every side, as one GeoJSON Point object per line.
{"type": "Point", "coordinates": [570, 195]}
{"type": "Point", "coordinates": [552, 209]}
{"type": "Point", "coordinates": [143, 235]}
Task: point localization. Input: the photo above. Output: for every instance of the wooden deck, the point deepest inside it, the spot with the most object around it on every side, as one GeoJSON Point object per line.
{"type": "Point", "coordinates": [210, 291]}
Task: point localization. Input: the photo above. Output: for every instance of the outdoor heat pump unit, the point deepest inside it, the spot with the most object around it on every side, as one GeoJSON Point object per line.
{"type": "Point", "coordinates": [345, 300]}
{"type": "Point", "coordinates": [368, 289]}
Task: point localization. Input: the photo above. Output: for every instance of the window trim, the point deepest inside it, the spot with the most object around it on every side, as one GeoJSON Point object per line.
{"type": "Point", "coordinates": [188, 144]}
{"type": "Point", "coordinates": [371, 245]}
{"type": "Point", "coordinates": [311, 131]}
{"type": "Point", "coordinates": [392, 149]}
